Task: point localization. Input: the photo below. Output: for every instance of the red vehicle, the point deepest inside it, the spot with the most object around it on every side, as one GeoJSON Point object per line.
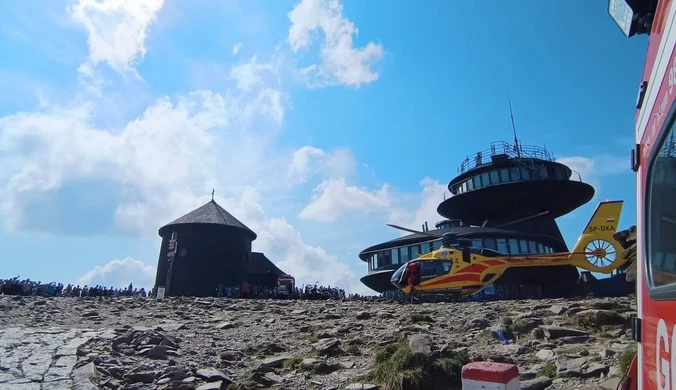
{"type": "Point", "coordinates": [285, 286]}
{"type": "Point", "coordinates": [654, 161]}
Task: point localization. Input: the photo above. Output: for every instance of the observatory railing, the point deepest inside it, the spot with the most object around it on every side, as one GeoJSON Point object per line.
{"type": "Point", "coordinates": [505, 148]}
{"type": "Point", "coordinates": [497, 177]}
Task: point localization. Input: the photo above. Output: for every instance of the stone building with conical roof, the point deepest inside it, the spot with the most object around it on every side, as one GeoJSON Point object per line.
{"type": "Point", "coordinates": [210, 246]}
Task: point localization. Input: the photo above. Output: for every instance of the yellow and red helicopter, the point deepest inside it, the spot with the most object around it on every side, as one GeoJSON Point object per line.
{"type": "Point", "coordinates": [460, 269]}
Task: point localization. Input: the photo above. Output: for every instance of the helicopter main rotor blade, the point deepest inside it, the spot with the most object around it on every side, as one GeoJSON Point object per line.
{"type": "Point", "coordinates": [459, 235]}
{"type": "Point", "coordinates": [525, 219]}
{"type": "Point", "coordinates": [414, 231]}
{"type": "Point", "coordinates": [508, 223]}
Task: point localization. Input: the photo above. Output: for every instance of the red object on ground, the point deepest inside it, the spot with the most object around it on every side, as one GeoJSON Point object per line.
{"type": "Point", "coordinates": [490, 372]}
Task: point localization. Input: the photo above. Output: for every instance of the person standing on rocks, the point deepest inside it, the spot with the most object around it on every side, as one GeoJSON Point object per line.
{"type": "Point", "coordinates": [245, 290]}
{"type": "Point", "coordinates": [413, 279]}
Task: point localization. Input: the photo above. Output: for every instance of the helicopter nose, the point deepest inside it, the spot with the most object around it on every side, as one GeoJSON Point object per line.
{"type": "Point", "coordinates": [395, 281]}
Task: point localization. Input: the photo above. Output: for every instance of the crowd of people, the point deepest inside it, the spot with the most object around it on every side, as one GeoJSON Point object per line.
{"type": "Point", "coordinates": [25, 287]}
{"type": "Point", "coordinates": [306, 292]}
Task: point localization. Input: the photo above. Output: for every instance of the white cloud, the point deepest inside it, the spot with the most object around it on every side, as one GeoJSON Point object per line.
{"type": "Point", "coordinates": [334, 197]}
{"type": "Point", "coordinates": [309, 161]}
{"type": "Point", "coordinates": [119, 273]}
{"type": "Point", "coordinates": [432, 194]}
{"type": "Point", "coordinates": [342, 63]}
{"type": "Point", "coordinates": [251, 74]}
{"type": "Point", "coordinates": [144, 158]}
{"type": "Point", "coordinates": [591, 169]}
{"type": "Point", "coordinates": [235, 48]}
{"type": "Point", "coordinates": [117, 29]}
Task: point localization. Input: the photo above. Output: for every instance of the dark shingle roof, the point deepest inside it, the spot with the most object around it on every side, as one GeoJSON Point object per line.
{"type": "Point", "coordinates": [260, 264]}
{"type": "Point", "coordinates": [213, 214]}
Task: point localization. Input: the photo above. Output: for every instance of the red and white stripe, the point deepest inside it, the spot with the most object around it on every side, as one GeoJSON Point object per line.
{"type": "Point", "coordinates": [490, 376]}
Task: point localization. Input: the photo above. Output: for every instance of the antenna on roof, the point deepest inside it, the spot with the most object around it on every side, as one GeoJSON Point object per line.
{"type": "Point", "coordinates": [516, 140]}
{"type": "Point", "coordinates": [213, 191]}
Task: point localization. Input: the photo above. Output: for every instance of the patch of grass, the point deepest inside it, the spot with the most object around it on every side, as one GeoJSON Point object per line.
{"type": "Point", "coordinates": [312, 339]}
{"type": "Point", "coordinates": [484, 335]}
{"type": "Point", "coordinates": [292, 363]}
{"type": "Point", "coordinates": [396, 368]}
{"type": "Point", "coordinates": [357, 342]}
{"type": "Point", "coordinates": [520, 326]}
{"type": "Point", "coordinates": [597, 319]}
{"type": "Point", "coordinates": [353, 349]}
{"type": "Point", "coordinates": [625, 360]}
{"type": "Point", "coordinates": [312, 354]}
{"type": "Point", "coordinates": [571, 350]}
{"type": "Point", "coordinates": [549, 370]}
{"type": "Point", "coordinates": [538, 333]}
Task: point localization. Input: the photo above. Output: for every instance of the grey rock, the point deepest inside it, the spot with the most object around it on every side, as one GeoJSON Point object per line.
{"type": "Point", "coordinates": [210, 386]}
{"type": "Point", "coordinates": [539, 383]}
{"type": "Point", "coordinates": [556, 332]}
{"type": "Point", "coordinates": [86, 374]}
{"type": "Point", "coordinates": [545, 355]}
{"type": "Point", "coordinates": [326, 346]}
{"type": "Point", "coordinates": [157, 352]}
{"type": "Point", "coordinates": [212, 375]}
{"type": "Point", "coordinates": [360, 386]}
{"type": "Point", "coordinates": [421, 343]}
{"type": "Point", "coordinates": [276, 361]}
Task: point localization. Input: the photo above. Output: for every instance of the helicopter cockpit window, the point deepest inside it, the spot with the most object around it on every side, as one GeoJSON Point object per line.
{"type": "Point", "coordinates": [446, 266]}
{"type": "Point", "coordinates": [432, 269]}
{"type": "Point", "coordinates": [661, 214]}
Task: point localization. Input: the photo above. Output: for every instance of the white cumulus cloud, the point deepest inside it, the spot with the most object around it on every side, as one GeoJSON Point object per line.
{"type": "Point", "coordinates": [119, 273]}
{"type": "Point", "coordinates": [342, 63]}
{"type": "Point", "coordinates": [117, 29]}
{"type": "Point", "coordinates": [591, 169]}
{"type": "Point", "coordinates": [432, 194]}
{"type": "Point", "coordinates": [309, 161]}
{"type": "Point", "coordinates": [334, 197]}
{"type": "Point", "coordinates": [235, 48]}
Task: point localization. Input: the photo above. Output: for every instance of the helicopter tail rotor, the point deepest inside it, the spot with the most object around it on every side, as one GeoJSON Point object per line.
{"type": "Point", "coordinates": [597, 250]}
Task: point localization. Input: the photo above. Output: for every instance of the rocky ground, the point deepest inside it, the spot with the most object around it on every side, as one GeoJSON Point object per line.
{"type": "Point", "coordinates": [188, 343]}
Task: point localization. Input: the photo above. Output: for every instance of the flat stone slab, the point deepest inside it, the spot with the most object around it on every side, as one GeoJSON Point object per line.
{"type": "Point", "coordinates": [39, 358]}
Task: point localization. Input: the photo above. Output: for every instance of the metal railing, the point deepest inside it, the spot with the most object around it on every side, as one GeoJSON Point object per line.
{"type": "Point", "coordinates": [504, 148]}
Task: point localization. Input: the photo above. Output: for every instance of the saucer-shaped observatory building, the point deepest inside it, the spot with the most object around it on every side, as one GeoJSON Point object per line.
{"type": "Point", "coordinates": [504, 184]}
{"type": "Point", "coordinates": [211, 247]}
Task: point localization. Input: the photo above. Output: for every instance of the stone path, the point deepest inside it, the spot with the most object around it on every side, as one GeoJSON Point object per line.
{"type": "Point", "coordinates": [39, 358]}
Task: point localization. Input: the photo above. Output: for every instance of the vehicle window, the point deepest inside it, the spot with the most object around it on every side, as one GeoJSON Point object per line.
{"type": "Point", "coordinates": [661, 212]}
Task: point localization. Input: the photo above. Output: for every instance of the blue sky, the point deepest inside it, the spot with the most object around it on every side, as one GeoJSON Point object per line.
{"type": "Point", "coordinates": [117, 117]}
